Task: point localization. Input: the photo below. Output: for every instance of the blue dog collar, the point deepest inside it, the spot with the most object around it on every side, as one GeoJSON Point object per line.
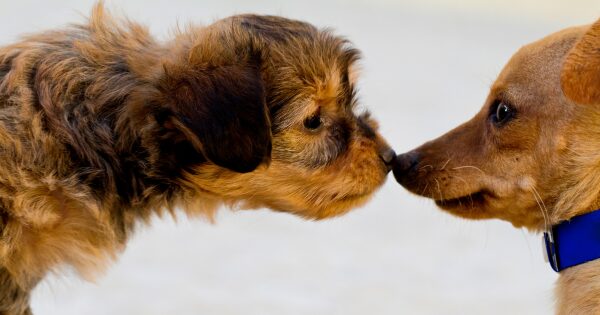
{"type": "Point", "coordinates": [573, 242]}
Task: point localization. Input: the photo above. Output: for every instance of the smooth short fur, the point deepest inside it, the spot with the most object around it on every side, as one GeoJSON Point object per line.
{"type": "Point", "coordinates": [101, 126]}
{"type": "Point", "coordinates": [538, 166]}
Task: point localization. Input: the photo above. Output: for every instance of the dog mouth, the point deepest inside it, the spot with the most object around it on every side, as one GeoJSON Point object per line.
{"type": "Point", "coordinates": [473, 200]}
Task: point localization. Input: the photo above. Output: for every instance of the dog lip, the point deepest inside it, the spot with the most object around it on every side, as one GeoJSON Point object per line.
{"type": "Point", "coordinates": [475, 198]}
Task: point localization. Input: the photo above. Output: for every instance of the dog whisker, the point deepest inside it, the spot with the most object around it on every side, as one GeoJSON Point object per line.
{"type": "Point", "coordinates": [541, 206]}
{"type": "Point", "coordinates": [445, 164]}
{"type": "Point", "coordinates": [424, 166]}
{"type": "Point", "coordinates": [424, 189]}
{"type": "Point", "coordinates": [439, 189]}
{"type": "Point", "coordinates": [469, 166]}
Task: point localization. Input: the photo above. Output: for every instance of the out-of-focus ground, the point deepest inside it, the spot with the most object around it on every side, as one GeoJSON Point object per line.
{"type": "Point", "coordinates": [427, 67]}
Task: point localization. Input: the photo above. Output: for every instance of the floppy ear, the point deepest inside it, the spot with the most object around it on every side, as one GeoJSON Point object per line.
{"type": "Point", "coordinates": [580, 76]}
{"type": "Point", "coordinates": [221, 109]}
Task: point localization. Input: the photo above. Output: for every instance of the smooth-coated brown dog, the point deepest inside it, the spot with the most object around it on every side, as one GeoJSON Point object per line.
{"type": "Point", "coordinates": [101, 127]}
{"type": "Point", "coordinates": [531, 156]}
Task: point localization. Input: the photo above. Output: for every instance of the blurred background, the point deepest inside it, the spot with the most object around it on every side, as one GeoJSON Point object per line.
{"type": "Point", "coordinates": [427, 67]}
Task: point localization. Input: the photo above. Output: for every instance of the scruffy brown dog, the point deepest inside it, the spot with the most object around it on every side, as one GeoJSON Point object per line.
{"type": "Point", "coordinates": [531, 156]}
{"type": "Point", "coordinates": [102, 127]}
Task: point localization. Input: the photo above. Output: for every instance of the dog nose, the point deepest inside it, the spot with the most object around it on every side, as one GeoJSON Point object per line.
{"type": "Point", "coordinates": [406, 163]}
{"type": "Point", "coordinates": [388, 156]}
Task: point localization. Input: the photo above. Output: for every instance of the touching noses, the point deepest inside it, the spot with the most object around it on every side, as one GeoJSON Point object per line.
{"type": "Point", "coordinates": [388, 156]}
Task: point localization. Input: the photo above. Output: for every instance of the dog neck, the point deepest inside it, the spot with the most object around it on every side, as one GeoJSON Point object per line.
{"type": "Point", "coordinates": [578, 289]}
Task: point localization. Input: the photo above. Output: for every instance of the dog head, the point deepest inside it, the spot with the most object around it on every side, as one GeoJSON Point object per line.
{"type": "Point", "coordinates": [531, 155]}
{"type": "Point", "coordinates": [269, 103]}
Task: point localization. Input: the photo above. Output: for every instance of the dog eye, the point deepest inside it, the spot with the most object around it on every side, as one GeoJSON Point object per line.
{"type": "Point", "coordinates": [313, 122]}
{"type": "Point", "coordinates": [502, 113]}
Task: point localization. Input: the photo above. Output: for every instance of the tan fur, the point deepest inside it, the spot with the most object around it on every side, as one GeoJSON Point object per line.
{"type": "Point", "coordinates": [581, 69]}
{"type": "Point", "coordinates": [538, 167]}
{"type": "Point", "coordinates": [102, 127]}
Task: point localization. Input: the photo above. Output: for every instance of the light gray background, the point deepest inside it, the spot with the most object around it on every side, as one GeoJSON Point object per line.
{"type": "Point", "coordinates": [427, 67]}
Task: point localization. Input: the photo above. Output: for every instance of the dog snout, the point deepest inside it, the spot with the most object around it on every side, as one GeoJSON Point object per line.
{"type": "Point", "coordinates": [388, 155]}
{"type": "Point", "coordinates": [405, 165]}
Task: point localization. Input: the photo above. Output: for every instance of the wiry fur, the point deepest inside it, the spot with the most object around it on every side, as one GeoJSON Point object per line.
{"type": "Point", "coordinates": [101, 126]}
{"type": "Point", "coordinates": [537, 169]}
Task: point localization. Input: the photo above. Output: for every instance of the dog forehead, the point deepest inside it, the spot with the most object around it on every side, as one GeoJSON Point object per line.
{"type": "Point", "coordinates": [534, 70]}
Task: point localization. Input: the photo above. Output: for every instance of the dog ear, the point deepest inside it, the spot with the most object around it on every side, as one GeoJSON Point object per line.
{"type": "Point", "coordinates": [221, 109]}
{"type": "Point", "coordinates": [580, 76]}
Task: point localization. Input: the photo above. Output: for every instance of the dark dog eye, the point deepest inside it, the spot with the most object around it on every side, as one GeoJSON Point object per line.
{"type": "Point", "coordinates": [502, 113]}
{"type": "Point", "coordinates": [313, 122]}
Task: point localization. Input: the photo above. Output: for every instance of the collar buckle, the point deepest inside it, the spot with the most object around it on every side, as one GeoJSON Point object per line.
{"type": "Point", "coordinates": [550, 254]}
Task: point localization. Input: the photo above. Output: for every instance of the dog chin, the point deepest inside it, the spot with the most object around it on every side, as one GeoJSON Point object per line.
{"type": "Point", "coordinates": [334, 208]}
{"type": "Point", "coordinates": [343, 205]}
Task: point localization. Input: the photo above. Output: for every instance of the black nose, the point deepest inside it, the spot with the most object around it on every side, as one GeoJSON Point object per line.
{"type": "Point", "coordinates": [389, 157]}
{"type": "Point", "coordinates": [406, 164]}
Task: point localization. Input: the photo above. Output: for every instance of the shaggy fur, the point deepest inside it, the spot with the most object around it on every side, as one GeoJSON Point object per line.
{"type": "Point", "coordinates": [536, 164]}
{"type": "Point", "coordinates": [101, 127]}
